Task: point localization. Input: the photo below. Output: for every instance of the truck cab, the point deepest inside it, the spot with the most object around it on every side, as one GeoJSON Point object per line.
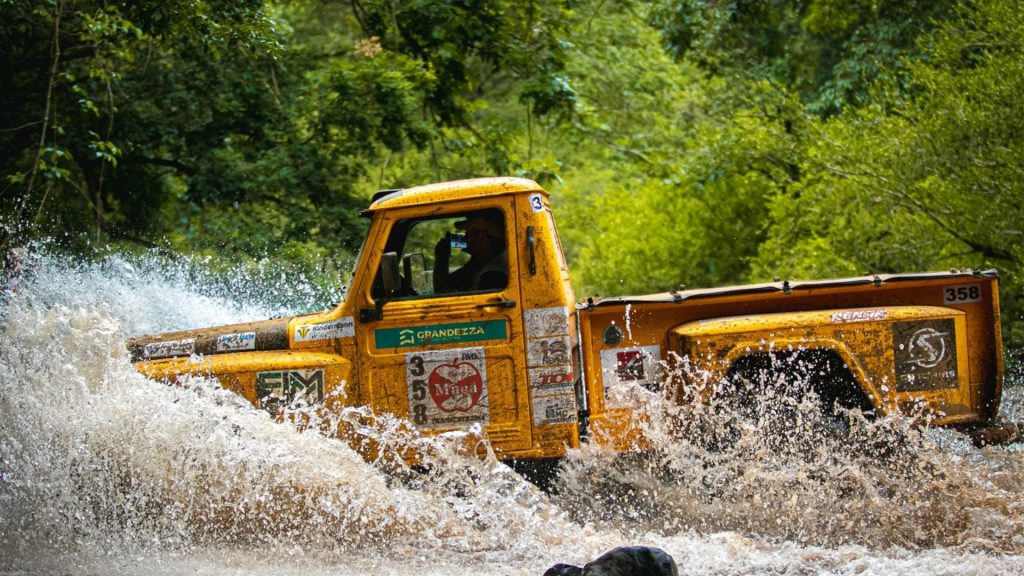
{"type": "Point", "coordinates": [499, 353]}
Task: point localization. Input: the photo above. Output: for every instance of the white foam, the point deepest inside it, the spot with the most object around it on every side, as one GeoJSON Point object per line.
{"type": "Point", "coordinates": [105, 471]}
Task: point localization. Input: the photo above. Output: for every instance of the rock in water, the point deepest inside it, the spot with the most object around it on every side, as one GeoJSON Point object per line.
{"type": "Point", "coordinates": [622, 561]}
{"type": "Point", "coordinates": [563, 570]}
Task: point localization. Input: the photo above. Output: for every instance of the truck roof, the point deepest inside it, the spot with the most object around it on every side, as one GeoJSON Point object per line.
{"type": "Point", "coordinates": [785, 286]}
{"type": "Point", "coordinates": [448, 191]}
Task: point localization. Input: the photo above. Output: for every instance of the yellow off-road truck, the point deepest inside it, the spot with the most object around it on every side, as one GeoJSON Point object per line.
{"type": "Point", "coordinates": [460, 311]}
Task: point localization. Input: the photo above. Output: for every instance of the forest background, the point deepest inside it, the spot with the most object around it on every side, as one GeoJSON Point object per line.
{"type": "Point", "coordinates": [684, 141]}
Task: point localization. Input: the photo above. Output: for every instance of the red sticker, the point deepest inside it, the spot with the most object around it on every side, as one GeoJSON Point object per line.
{"type": "Point", "coordinates": [630, 365]}
{"type": "Point", "coordinates": [456, 387]}
{"type": "Point", "coordinates": [447, 388]}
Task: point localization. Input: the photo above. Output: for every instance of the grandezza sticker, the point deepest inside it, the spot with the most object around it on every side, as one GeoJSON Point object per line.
{"type": "Point", "coordinates": [440, 334]}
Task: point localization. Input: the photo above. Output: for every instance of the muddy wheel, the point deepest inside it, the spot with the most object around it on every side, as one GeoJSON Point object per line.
{"type": "Point", "coordinates": [541, 473]}
{"type": "Point", "coordinates": [791, 398]}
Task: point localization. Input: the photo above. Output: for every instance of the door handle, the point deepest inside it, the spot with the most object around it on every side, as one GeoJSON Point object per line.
{"type": "Point", "coordinates": [498, 304]}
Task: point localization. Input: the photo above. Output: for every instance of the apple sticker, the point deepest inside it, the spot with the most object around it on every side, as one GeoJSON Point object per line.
{"type": "Point", "coordinates": [456, 386]}
{"type": "Point", "coordinates": [447, 388]}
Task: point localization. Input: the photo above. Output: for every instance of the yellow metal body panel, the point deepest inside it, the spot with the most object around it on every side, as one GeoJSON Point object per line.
{"type": "Point", "coordinates": [239, 371]}
{"type": "Point", "coordinates": [473, 191]}
{"type": "Point", "coordinates": [862, 338]}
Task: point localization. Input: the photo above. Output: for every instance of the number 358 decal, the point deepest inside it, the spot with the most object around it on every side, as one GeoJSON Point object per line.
{"type": "Point", "coordinates": [961, 294]}
{"type": "Point", "coordinates": [447, 388]}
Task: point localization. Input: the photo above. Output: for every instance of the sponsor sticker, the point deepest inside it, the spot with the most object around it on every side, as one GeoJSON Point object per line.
{"type": "Point", "coordinates": [548, 379]}
{"type": "Point", "coordinates": [236, 342]}
{"type": "Point", "coordinates": [276, 389]}
{"type": "Point", "coordinates": [440, 334]}
{"type": "Point", "coordinates": [559, 409]}
{"type": "Point", "coordinates": [925, 355]}
{"type": "Point", "coordinates": [552, 382]}
{"type": "Point", "coordinates": [629, 366]}
{"type": "Point", "coordinates": [169, 348]}
{"type": "Point", "coordinates": [845, 316]}
{"type": "Point", "coordinates": [340, 328]}
{"type": "Point", "coordinates": [548, 351]}
{"type": "Point", "coordinates": [542, 322]}
{"type": "Point", "coordinates": [447, 387]}
{"type": "Point", "coordinates": [624, 367]}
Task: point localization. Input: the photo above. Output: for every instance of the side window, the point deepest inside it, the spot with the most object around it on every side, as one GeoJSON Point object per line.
{"type": "Point", "coordinates": [452, 254]}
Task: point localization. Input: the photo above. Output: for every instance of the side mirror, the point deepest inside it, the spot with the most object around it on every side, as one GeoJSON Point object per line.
{"type": "Point", "coordinates": [389, 273]}
{"type": "Point", "coordinates": [392, 282]}
{"type": "Point", "coordinates": [414, 269]}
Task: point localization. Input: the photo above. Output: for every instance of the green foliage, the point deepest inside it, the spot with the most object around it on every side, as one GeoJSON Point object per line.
{"type": "Point", "coordinates": [827, 51]}
{"type": "Point", "coordinates": [463, 42]}
{"type": "Point", "coordinates": [688, 164]}
{"type": "Point", "coordinates": [686, 142]}
{"type": "Point", "coordinates": [65, 67]}
{"type": "Point", "coordinates": [241, 126]}
{"type": "Point", "coordinates": [927, 179]}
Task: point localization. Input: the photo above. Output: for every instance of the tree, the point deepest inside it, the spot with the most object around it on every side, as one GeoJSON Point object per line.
{"type": "Point", "coordinates": [670, 169]}
{"type": "Point", "coordinates": [63, 65]}
{"type": "Point", "coordinates": [244, 127]}
{"type": "Point", "coordinates": [929, 178]}
{"type": "Point", "coordinates": [829, 52]}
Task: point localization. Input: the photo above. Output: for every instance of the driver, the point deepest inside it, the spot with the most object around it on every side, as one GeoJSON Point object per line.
{"type": "Point", "coordinates": [487, 268]}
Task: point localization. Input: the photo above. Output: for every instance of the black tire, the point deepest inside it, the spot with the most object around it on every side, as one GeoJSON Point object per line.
{"type": "Point", "coordinates": [790, 397]}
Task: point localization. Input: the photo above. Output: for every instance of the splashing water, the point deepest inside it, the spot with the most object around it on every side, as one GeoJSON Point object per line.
{"type": "Point", "coordinates": [629, 321]}
{"type": "Point", "coordinates": [784, 467]}
{"type": "Point", "coordinates": [105, 471]}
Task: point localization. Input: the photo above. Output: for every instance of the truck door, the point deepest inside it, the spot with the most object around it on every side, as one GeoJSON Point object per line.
{"type": "Point", "coordinates": [446, 351]}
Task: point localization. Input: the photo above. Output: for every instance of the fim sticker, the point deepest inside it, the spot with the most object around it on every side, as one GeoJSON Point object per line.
{"type": "Point", "coordinates": [340, 328]}
{"type": "Point", "coordinates": [623, 367]}
{"type": "Point", "coordinates": [925, 355]}
{"type": "Point", "coordinates": [169, 348]}
{"type": "Point", "coordinates": [276, 389]}
{"type": "Point", "coordinates": [447, 387]}
{"type": "Point", "coordinates": [560, 409]}
{"type": "Point", "coordinates": [236, 342]}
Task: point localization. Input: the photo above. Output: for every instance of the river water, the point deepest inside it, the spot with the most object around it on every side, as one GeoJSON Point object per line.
{"type": "Point", "coordinates": [103, 471]}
